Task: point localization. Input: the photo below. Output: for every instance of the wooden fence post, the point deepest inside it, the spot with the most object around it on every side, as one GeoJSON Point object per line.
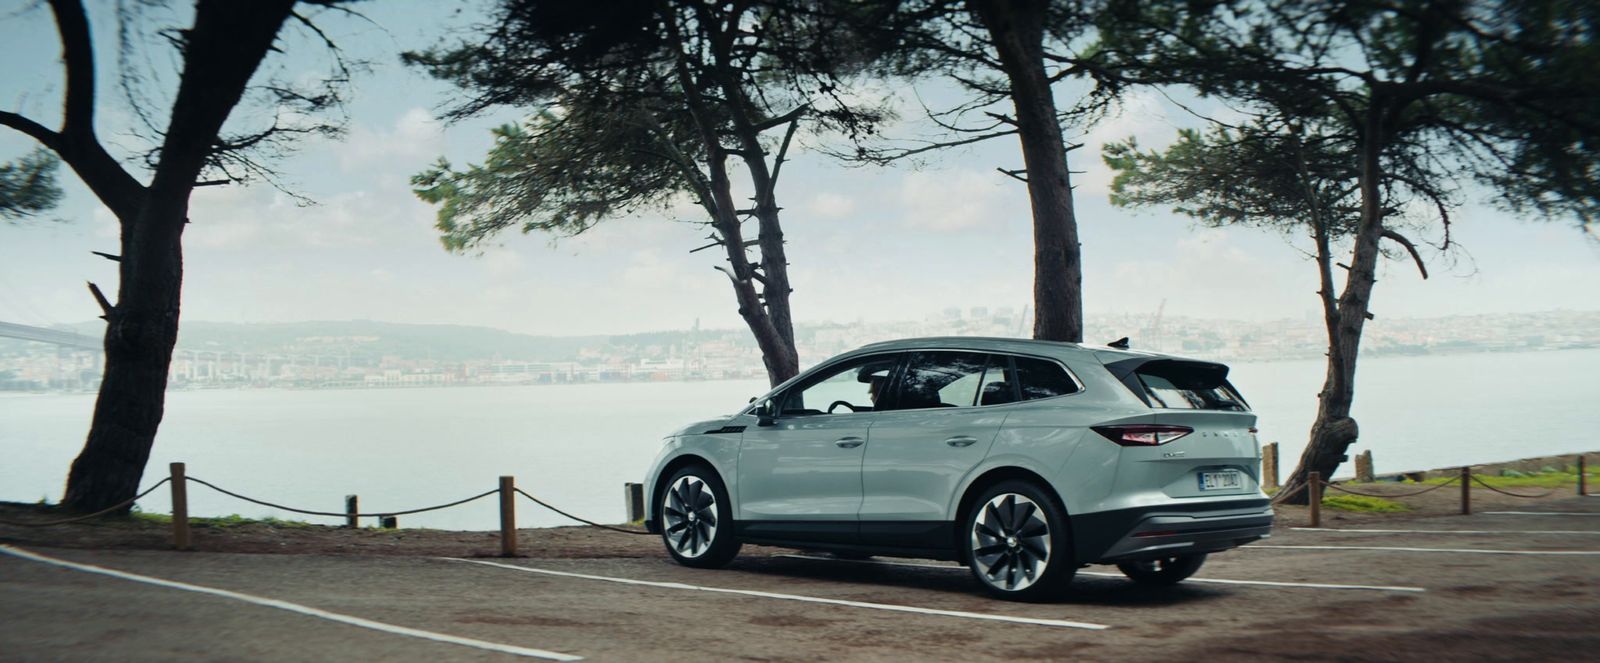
{"type": "Point", "coordinates": [1269, 465]}
{"type": "Point", "coordinates": [1314, 488]}
{"type": "Point", "coordinates": [351, 508]}
{"type": "Point", "coordinates": [180, 507]}
{"type": "Point", "coordinates": [508, 517]}
{"type": "Point", "coordinates": [633, 500]}
{"type": "Point", "coordinates": [1364, 471]}
{"type": "Point", "coordinates": [1583, 480]}
{"type": "Point", "coordinates": [1466, 491]}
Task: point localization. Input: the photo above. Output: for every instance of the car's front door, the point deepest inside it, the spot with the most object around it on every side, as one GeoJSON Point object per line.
{"type": "Point", "coordinates": [937, 428]}
{"type": "Point", "coordinates": [800, 477]}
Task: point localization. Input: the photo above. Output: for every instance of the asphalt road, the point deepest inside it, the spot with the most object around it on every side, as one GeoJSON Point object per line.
{"type": "Point", "coordinates": [1473, 605]}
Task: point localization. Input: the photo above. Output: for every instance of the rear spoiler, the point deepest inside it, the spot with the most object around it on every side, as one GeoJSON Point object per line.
{"type": "Point", "coordinates": [1196, 374]}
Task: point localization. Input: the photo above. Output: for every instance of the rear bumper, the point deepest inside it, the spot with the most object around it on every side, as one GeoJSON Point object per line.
{"type": "Point", "coordinates": [1173, 529]}
{"type": "Point", "coordinates": [651, 527]}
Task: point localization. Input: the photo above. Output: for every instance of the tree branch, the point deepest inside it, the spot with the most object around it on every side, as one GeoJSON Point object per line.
{"type": "Point", "coordinates": [1014, 174]}
{"type": "Point", "coordinates": [100, 298]}
{"type": "Point", "coordinates": [1412, 248]}
{"type": "Point", "coordinates": [77, 55]}
{"type": "Point", "coordinates": [783, 151]}
{"type": "Point", "coordinates": [884, 157]}
{"type": "Point", "coordinates": [780, 120]}
{"type": "Point", "coordinates": [37, 131]}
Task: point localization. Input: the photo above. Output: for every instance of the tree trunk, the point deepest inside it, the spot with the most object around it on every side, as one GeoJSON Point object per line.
{"type": "Point", "coordinates": [1017, 30]}
{"type": "Point", "coordinates": [765, 312]}
{"type": "Point", "coordinates": [140, 334]}
{"type": "Point", "coordinates": [783, 361]}
{"type": "Point", "coordinates": [1333, 431]}
{"type": "Point", "coordinates": [220, 53]}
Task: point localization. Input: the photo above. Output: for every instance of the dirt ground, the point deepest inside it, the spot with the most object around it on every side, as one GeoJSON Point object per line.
{"type": "Point", "coordinates": [1441, 592]}
{"type": "Point", "coordinates": [590, 542]}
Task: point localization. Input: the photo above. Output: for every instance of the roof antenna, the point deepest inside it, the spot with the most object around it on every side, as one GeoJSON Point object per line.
{"type": "Point", "coordinates": [1120, 344]}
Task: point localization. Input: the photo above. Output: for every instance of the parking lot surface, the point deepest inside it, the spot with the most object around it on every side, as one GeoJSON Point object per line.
{"type": "Point", "coordinates": [1432, 588]}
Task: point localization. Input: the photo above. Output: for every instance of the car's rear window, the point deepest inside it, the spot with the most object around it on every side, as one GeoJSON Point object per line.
{"type": "Point", "coordinates": [1188, 386]}
{"type": "Point", "coordinates": [1040, 378]}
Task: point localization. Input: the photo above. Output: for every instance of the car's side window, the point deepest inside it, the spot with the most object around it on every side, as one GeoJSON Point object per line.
{"type": "Point", "coordinates": [941, 379]}
{"type": "Point", "coordinates": [1041, 378]}
{"type": "Point", "coordinates": [854, 386]}
{"type": "Point", "coordinates": [999, 383]}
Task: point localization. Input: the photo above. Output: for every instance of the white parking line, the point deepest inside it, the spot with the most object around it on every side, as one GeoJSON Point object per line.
{"type": "Point", "coordinates": [1445, 531]}
{"type": "Point", "coordinates": [1433, 550]}
{"type": "Point", "coordinates": [295, 608]}
{"type": "Point", "coordinates": [1539, 513]}
{"type": "Point", "coordinates": [1218, 581]}
{"type": "Point", "coordinates": [797, 597]}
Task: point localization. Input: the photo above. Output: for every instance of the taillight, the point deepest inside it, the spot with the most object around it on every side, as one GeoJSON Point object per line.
{"type": "Point", "coordinates": [1142, 435]}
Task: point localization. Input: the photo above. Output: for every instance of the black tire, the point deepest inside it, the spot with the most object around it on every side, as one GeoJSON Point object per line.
{"type": "Point", "coordinates": [1006, 551]}
{"type": "Point", "coordinates": [1164, 571]}
{"type": "Point", "coordinates": [701, 536]}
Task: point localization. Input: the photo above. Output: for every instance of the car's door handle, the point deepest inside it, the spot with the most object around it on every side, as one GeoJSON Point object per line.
{"type": "Point", "coordinates": [961, 441]}
{"type": "Point", "coordinates": [849, 442]}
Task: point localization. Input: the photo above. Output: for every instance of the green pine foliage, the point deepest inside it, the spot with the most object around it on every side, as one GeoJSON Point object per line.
{"type": "Point", "coordinates": [28, 185]}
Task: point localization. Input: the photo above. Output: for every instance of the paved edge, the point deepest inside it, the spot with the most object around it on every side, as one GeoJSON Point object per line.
{"type": "Point", "coordinates": [293, 607]}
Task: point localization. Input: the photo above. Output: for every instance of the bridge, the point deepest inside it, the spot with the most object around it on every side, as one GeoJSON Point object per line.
{"type": "Point", "coordinates": [53, 336]}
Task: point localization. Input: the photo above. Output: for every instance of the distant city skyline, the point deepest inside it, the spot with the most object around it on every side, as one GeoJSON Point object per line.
{"type": "Point", "coordinates": [367, 354]}
{"type": "Point", "coordinates": [865, 244]}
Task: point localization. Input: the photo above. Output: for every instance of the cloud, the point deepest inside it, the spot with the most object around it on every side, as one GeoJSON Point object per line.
{"type": "Point", "coordinates": [501, 262]}
{"type": "Point", "coordinates": [952, 201]}
{"type": "Point", "coordinates": [414, 140]}
{"type": "Point", "coordinates": [647, 271]}
{"type": "Point", "coordinates": [259, 217]}
{"type": "Point", "coordinates": [1142, 115]}
{"type": "Point", "coordinates": [829, 205]}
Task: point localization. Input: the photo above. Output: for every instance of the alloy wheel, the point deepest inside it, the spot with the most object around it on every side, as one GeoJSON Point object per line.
{"type": "Point", "coordinates": [691, 516]}
{"type": "Point", "coordinates": [1010, 542]}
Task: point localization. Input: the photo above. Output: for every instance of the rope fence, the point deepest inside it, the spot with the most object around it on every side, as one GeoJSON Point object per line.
{"type": "Point", "coordinates": [1485, 484]}
{"type": "Point", "coordinates": [338, 514]}
{"type": "Point", "coordinates": [507, 491]}
{"type": "Point", "coordinates": [1429, 489]}
{"type": "Point", "coordinates": [178, 480]}
{"type": "Point", "coordinates": [1315, 484]}
{"type": "Point", "coordinates": [586, 522]}
{"type": "Point", "coordinates": [97, 514]}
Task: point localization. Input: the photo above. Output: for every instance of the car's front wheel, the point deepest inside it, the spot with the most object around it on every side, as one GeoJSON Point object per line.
{"type": "Point", "coordinates": [696, 519]}
{"type": "Point", "coordinates": [1018, 545]}
{"type": "Point", "coordinates": [1164, 571]}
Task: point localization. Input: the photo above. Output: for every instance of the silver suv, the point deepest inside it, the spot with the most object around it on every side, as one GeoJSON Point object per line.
{"type": "Point", "coordinates": [1022, 459]}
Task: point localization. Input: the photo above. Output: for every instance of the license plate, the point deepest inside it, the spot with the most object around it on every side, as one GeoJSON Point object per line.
{"type": "Point", "coordinates": [1224, 480]}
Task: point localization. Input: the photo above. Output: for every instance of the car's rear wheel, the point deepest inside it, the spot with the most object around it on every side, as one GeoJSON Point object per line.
{"type": "Point", "coordinates": [1017, 542]}
{"type": "Point", "coordinates": [1164, 571]}
{"type": "Point", "coordinates": [696, 519]}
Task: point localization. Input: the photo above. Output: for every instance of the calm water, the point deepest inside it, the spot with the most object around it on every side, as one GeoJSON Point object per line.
{"type": "Point", "coordinates": [574, 446]}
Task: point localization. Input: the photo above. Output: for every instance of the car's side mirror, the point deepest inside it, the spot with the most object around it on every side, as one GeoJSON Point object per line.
{"type": "Point", "coordinates": [764, 414]}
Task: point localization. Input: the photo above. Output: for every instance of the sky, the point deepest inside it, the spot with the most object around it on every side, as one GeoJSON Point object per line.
{"type": "Point", "coordinates": [865, 244]}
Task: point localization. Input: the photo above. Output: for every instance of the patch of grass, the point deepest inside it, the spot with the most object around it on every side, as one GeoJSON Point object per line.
{"type": "Point", "coordinates": [236, 520]}
{"type": "Point", "coordinates": [1550, 478]}
{"type": "Point", "coordinates": [232, 520]}
{"type": "Point", "coordinates": [152, 518]}
{"type": "Point", "coordinates": [1362, 504]}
